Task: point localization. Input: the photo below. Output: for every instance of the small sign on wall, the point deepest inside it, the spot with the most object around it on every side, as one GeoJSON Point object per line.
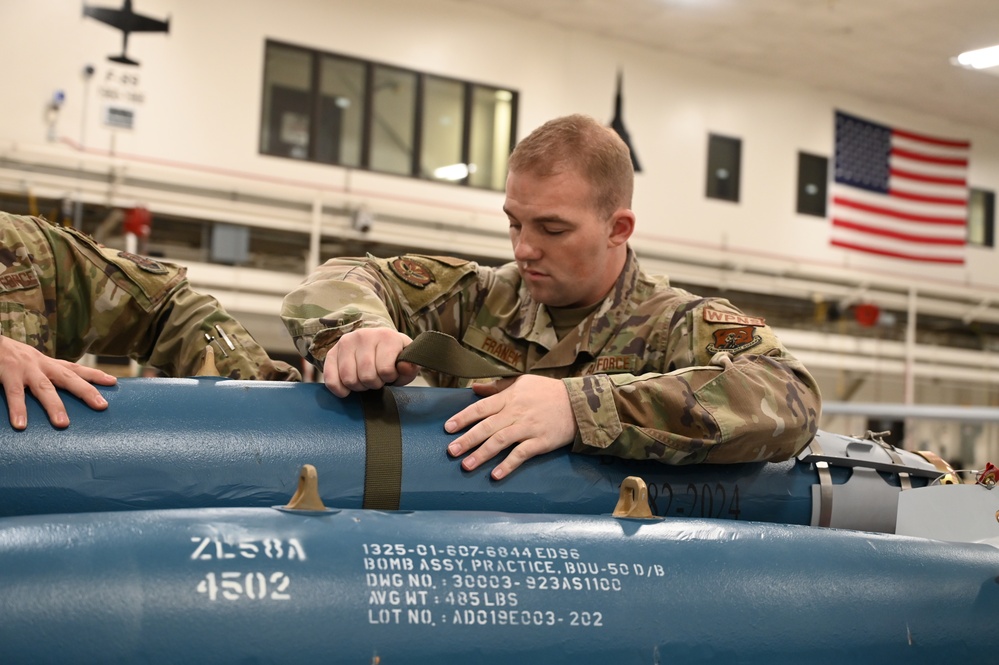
{"type": "Point", "coordinates": [119, 117]}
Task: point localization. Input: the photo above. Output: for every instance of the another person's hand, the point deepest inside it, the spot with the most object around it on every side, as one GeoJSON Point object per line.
{"type": "Point", "coordinates": [366, 359]}
{"type": "Point", "coordinates": [530, 413]}
{"type": "Point", "coordinates": [25, 367]}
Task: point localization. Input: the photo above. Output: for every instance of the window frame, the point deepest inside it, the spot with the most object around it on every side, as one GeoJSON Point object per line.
{"type": "Point", "coordinates": [712, 188]}
{"type": "Point", "coordinates": [802, 204]}
{"type": "Point", "coordinates": [989, 222]}
{"type": "Point", "coordinates": [266, 142]}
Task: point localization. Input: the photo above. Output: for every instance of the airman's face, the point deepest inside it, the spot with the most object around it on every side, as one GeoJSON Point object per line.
{"type": "Point", "coordinates": [565, 250]}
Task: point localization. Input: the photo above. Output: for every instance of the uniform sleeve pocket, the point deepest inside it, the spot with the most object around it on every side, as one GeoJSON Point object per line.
{"type": "Point", "coordinates": [23, 324]}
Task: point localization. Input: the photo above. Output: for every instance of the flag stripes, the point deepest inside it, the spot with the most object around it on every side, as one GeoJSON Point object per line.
{"type": "Point", "coordinates": [898, 193]}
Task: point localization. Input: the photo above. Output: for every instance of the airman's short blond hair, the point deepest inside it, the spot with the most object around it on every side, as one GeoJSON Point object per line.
{"type": "Point", "coordinates": [580, 143]}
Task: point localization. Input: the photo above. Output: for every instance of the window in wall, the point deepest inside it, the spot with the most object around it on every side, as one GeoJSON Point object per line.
{"type": "Point", "coordinates": [812, 179]}
{"type": "Point", "coordinates": [724, 155]}
{"type": "Point", "coordinates": [443, 130]}
{"type": "Point", "coordinates": [393, 115]}
{"type": "Point", "coordinates": [341, 110]}
{"type": "Point", "coordinates": [491, 136]}
{"type": "Point", "coordinates": [287, 116]}
{"type": "Point", "coordinates": [278, 250]}
{"type": "Point", "coordinates": [230, 244]}
{"type": "Point", "coordinates": [981, 217]}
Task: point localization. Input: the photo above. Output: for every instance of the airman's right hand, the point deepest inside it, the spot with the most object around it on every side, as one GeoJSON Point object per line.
{"type": "Point", "coordinates": [24, 367]}
{"type": "Point", "coordinates": [367, 359]}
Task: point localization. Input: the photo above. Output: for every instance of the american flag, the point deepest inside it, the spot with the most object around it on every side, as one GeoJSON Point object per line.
{"type": "Point", "coordinates": [898, 193]}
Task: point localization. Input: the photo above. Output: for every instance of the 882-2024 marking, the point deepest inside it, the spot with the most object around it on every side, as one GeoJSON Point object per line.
{"type": "Point", "coordinates": [695, 500]}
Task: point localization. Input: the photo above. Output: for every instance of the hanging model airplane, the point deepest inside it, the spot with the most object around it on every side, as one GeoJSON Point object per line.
{"type": "Point", "coordinates": [127, 21]}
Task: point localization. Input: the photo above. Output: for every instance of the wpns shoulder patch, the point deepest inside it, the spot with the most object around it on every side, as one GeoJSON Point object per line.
{"type": "Point", "coordinates": [412, 272]}
{"type": "Point", "coordinates": [718, 316]}
{"type": "Point", "coordinates": [733, 340]}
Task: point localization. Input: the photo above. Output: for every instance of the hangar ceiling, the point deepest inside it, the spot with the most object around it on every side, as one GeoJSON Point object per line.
{"type": "Point", "coordinates": [889, 51]}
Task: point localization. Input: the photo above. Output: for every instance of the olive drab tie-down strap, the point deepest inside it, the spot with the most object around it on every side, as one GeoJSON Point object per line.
{"type": "Point", "coordinates": [436, 351]}
{"type": "Point", "coordinates": [442, 353]}
{"type": "Point", "coordinates": [383, 450]}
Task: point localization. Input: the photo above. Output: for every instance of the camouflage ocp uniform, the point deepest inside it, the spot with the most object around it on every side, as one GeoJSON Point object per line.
{"type": "Point", "coordinates": [653, 373]}
{"type": "Point", "coordinates": [66, 295]}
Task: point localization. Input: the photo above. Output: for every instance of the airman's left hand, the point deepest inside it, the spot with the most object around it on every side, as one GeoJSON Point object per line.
{"type": "Point", "coordinates": [531, 414]}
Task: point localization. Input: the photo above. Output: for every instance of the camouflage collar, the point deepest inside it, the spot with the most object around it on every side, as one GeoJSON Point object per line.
{"type": "Point", "coordinates": [606, 320]}
{"type": "Point", "coordinates": [532, 322]}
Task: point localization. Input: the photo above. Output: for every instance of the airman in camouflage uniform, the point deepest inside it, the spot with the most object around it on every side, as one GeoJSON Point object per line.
{"type": "Point", "coordinates": [65, 295]}
{"type": "Point", "coordinates": [651, 371]}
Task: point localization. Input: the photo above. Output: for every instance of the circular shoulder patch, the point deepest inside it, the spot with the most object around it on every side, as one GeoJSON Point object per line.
{"type": "Point", "coordinates": [143, 262]}
{"type": "Point", "coordinates": [412, 272]}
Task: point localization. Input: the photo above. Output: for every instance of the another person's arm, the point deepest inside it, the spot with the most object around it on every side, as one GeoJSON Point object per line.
{"type": "Point", "coordinates": [177, 339]}
{"type": "Point", "coordinates": [122, 304]}
{"type": "Point", "coordinates": [65, 295]}
{"type": "Point", "coordinates": [24, 367]}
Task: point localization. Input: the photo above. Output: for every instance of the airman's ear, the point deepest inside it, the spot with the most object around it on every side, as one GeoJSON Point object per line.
{"type": "Point", "coordinates": [622, 225]}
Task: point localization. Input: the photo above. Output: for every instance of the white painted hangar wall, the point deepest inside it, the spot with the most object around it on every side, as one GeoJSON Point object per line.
{"type": "Point", "coordinates": [201, 108]}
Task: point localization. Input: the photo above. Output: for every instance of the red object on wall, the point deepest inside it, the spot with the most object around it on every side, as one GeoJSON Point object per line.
{"type": "Point", "coordinates": [866, 314]}
{"type": "Point", "coordinates": [138, 222]}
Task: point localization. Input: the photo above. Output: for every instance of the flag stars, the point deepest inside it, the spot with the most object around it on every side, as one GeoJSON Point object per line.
{"type": "Point", "coordinates": [863, 150]}
{"type": "Point", "coordinates": [890, 202]}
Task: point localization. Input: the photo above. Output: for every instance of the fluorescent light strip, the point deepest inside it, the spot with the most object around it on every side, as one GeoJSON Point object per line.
{"type": "Point", "coordinates": [982, 58]}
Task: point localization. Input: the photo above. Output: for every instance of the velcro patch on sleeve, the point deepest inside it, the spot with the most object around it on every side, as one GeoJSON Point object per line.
{"type": "Point", "coordinates": [144, 262]}
{"type": "Point", "coordinates": [717, 316]}
{"type": "Point", "coordinates": [423, 279]}
{"type": "Point", "coordinates": [413, 272]}
{"type": "Point", "coordinates": [725, 329]}
{"type": "Point", "coordinates": [733, 340]}
{"type": "Point", "coordinates": [18, 281]}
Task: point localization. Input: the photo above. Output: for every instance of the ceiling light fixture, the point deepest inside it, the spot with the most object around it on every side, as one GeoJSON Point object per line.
{"type": "Point", "coordinates": [454, 171]}
{"type": "Point", "coordinates": [982, 58]}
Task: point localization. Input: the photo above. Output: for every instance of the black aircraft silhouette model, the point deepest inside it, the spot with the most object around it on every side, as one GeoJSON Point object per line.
{"type": "Point", "coordinates": [127, 21]}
